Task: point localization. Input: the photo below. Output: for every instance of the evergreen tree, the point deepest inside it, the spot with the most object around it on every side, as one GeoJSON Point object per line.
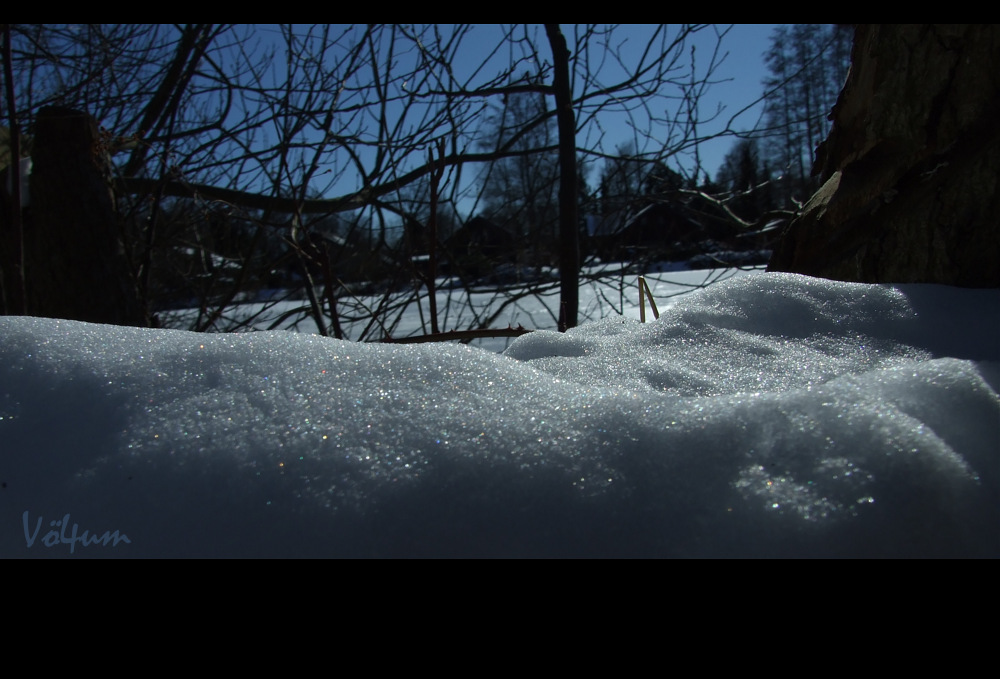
{"type": "Point", "coordinates": [631, 182]}
{"type": "Point", "coordinates": [808, 64]}
{"type": "Point", "coordinates": [622, 181]}
{"type": "Point", "coordinates": [746, 178]}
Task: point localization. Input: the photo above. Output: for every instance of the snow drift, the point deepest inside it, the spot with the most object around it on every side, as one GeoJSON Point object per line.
{"type": "Point", "coordinates": [772, 415]}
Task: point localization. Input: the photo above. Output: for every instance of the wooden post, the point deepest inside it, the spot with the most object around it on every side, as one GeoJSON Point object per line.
{"type": "Point", "coordinates": [75, 266]}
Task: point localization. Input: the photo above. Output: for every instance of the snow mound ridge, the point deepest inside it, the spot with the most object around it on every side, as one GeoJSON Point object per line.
{"type": "Point", "coordinates": [771, 415]}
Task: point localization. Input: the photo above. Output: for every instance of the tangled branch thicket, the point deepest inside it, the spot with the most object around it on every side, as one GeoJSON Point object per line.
{"type": "Point", "coordinates": [328, 177]}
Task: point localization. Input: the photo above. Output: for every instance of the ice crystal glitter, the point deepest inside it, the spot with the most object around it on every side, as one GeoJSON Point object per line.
{"type": "Point", "coordinates": [773, 415]}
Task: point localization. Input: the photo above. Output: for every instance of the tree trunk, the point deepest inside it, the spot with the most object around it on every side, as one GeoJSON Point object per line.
{"type": "Point", "coordinates": [12, 295]}
{"type": "Point", "coordinates": [569, 237]}
{"type": "Point", "coordinates": [911, 167]}
{"type": "Point", "coordinates": [73, 251]}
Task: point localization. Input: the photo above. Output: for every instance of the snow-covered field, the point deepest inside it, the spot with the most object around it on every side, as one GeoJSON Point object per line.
{"type": "Point", "coordinates": [604, 291]}
{"type": "Point", "coordinates": [768, 415]}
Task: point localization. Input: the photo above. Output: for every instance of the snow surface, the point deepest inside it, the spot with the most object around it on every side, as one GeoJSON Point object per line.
{"type": "Point", "coordinates": [771, 415]}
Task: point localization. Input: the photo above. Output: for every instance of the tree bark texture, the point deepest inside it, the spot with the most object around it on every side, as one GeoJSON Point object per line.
{"type": "Point", "coordinates": [911, 167]}
{"type": "Point", "coordinates": [569, 238]}
{"type": "Point", "coordinates": [73, 251]}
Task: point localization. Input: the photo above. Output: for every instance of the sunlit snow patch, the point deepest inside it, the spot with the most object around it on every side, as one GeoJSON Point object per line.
{"type": "Point", "coordinates": [772, 415]}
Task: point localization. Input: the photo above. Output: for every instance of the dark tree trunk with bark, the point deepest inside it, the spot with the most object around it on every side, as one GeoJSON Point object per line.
{"type": "Point", "coordinates": [911, 167]}
{"type": "Point", "coordinates": [73, 251]}
{"type": "Point", "coordinates": [12, 300]}
{"type": "Point", "coordinates": [569, 238]}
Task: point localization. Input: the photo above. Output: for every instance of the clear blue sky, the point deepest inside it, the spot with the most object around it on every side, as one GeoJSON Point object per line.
{"type": "Point", "coordinates": [737, 81]}
{"type": "Point", "coordinates": [740, 74]}
{"type": "Point", "coordinates": [744, 67]}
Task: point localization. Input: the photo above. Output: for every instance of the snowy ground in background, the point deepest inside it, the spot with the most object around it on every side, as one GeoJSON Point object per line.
{"type": "Point", "coordinates": [767, 415]}
{"type": "Point", "coordinates": [607, 295]}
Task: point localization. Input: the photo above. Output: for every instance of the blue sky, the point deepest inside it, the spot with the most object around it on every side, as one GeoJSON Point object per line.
{"type": "Point", "coordinates": [745, 70]}
{"type": "Point", "coordinates": [736, 82]}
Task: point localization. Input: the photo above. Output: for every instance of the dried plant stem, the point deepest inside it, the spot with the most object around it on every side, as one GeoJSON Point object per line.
{"type": "Point", "coordinates": [644, 293]}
